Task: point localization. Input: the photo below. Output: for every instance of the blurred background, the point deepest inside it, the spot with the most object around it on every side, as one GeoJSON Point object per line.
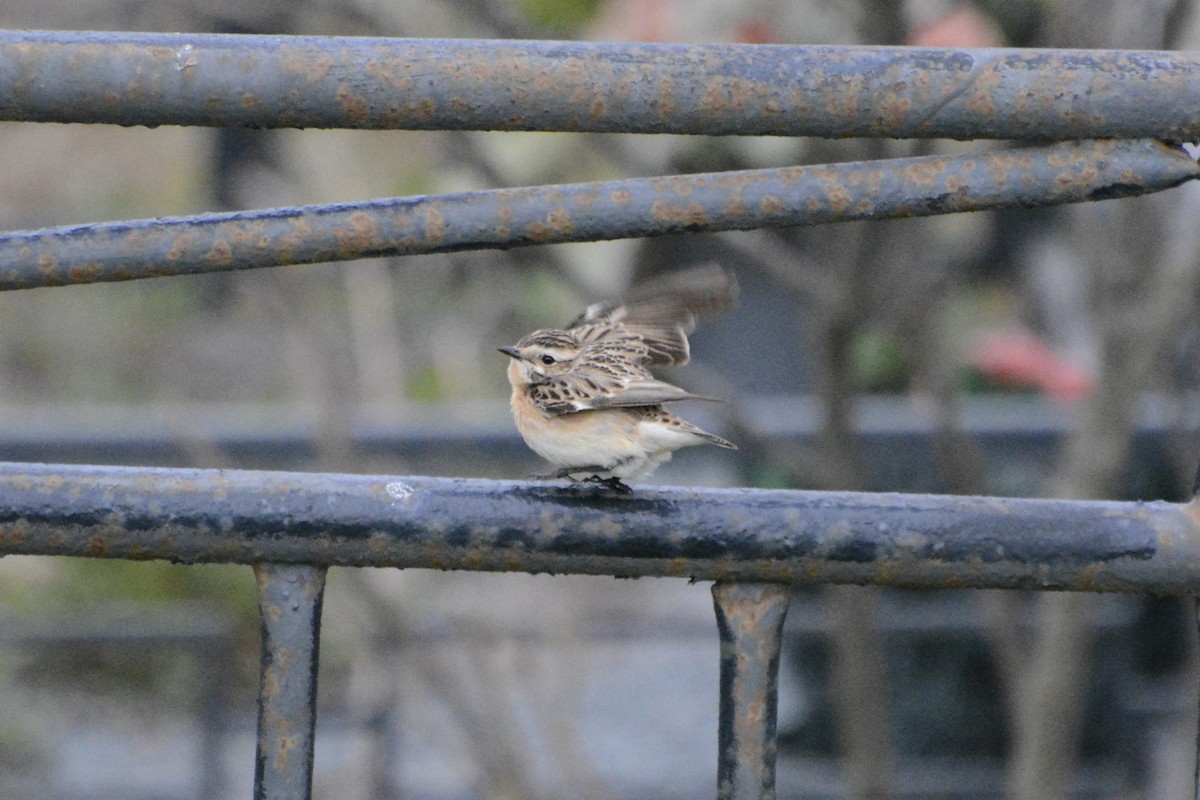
{"type": "Point", "coordinates": [1036, 353]}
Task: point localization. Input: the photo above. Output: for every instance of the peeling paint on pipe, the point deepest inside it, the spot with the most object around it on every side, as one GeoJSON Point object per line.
{"type": "Point", "coordinates": [502, 218]}
{"type": "Point", "coordinates": [749, 535]}
{"type": "Point", "coordinates": [462, 84]}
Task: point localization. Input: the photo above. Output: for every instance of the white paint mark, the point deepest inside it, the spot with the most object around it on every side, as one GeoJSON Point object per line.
{"type": "Point", "coordinates": [184, 58]}
{"type": "Point", "coordinates": [398, 491]}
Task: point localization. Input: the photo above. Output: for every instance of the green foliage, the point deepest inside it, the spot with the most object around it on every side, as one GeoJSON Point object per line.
{"type": "Point", "coordinates": [882, 363]}
{"type": "Point", "coordinates": [85, 581]}
{"type": "Point", "coordinates": [561, 17]}
{"type": "Point", "coordinates": [425, 385]}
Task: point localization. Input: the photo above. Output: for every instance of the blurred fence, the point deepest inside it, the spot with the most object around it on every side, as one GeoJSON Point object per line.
{"type": "Point", "coordinates": [1123, 108]}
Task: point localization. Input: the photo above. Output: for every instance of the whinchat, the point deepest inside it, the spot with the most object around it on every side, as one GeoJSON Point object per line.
{"type": "Point", "coordinates": [584, 398]}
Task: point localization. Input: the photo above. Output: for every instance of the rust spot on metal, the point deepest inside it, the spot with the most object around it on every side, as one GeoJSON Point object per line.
{"type": "Point", "coordinates": [560, 221]}
{"type": "Point", "coordinates": [839, 198]}
{"type": "Point", "coordinates": [357, 235]}
{"type": "Point", "coordinates": [666, 97]}
{"type": "Point", "coordinates": [390, 71]}
{"type": "Point", "coordinates": [895, 108]}
{"type": "Point", "coordinates": [313, 69]}
{"type": "Point", "coordinates": [558, 226]}
{"type": "Point", "coordinates": [956, 183]}
{"type": "Point", "coordinates": [691, 215]}
{"type": "Point", "coordinates": [288, 244]}
{"type": "Point", "coordinates": [84, 273]}
{"type": "Point", "coordinates": [181, 245]}
{"type": "Point", "coordinates": [219, 253]}
{"type": "Point", "coordinates": [286, 745]}
{"type": "Point", "coordinates": [435, 226]}
{"type": "Point", "coordinates": [46, 263]}
{"type": "Point", "coordinates": [573, 70]}
{"type": "Point", "coordinates": [925, 174]}
{"type": "Point", "coordinates": [771, 204]}
{"type": "Point", "coordinates": [251, 101]}
{"type": "Point", "coordinates": [355, 107]}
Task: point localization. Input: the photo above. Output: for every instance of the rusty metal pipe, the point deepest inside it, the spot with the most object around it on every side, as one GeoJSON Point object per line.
{"type": "Point", "coordinates": [752, 535]}
{"type": "Point", "coordinates": [907, 187]}
{"type": "Point", "coordinates": [750, 621]}
{"type": "Point", "coordinates": [302, 81]}
{"type": "Point", "coordinates": [290, 598]}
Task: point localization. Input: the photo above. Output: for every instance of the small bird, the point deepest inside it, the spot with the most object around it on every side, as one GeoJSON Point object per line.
{"type": "Point", "coordinates": [584, 398]}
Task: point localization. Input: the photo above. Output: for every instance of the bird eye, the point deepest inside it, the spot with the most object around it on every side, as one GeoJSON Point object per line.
{"type": "Point", "coordinates": [547, 360]}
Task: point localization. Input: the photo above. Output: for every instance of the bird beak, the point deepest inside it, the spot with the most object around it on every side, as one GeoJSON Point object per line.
{"type": "Point", "coordinates": [511, 352]}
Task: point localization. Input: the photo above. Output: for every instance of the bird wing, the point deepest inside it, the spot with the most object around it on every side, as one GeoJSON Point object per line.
{"type": "Point", "coordinates": [658, 315]}
{"type": "Point", "coordinates": [606, 375]}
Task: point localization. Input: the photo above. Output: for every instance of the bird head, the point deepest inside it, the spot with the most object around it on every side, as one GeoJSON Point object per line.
{"type": "Point", "coordinates": [541, 356]}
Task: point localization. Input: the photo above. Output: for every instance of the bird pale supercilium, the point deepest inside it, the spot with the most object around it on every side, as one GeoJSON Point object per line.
{"type": "Point", "coordinates": [584, 398]}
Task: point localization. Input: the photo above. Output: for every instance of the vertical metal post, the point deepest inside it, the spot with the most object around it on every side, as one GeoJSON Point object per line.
{"type": "Point", "coordinates": [1197, 773]}
{"type": "Point", "coordinates": [750, 619]}
{"type": "Point", "coordinates": [289, 598]}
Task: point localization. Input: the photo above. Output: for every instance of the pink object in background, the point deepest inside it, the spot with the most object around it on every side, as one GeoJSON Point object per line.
{"type": "Point", "coordinates": [963, 27]}
{"type": "Point", "coordinates": [638, 21]}
{"type": "Point", "coordinates": [1018, 359]}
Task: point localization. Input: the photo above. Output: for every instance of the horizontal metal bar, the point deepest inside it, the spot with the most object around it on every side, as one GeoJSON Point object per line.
{"type": "Point", "coordinates": [769, 536]}
{"type": "Point", "coordinates": [906, 187]}
{"type": "Point", "coordinates": [297, 81]}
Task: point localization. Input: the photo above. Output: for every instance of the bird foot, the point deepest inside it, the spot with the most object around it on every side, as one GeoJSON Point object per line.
{"type": "Point", "coordinates": [568, 473]}
{"type": "Point", "coordinates": [612, 484]}
{"type": "Point", "coordinates": [565, 472]}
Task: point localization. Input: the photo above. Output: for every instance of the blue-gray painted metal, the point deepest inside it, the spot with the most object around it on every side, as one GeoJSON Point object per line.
{"type": "Point", "coordinates": [907, 187]}
{"type": "Point", "coordinates": [771, 536]}
{"type": "Point", "coordinates": [1196, 612]}
{"type": "Point", "coordinates": [290, 598]}
{"type": "Point", "coordinates": [750, 622]}
{"type": "Point", "coordinates": [297, 81]}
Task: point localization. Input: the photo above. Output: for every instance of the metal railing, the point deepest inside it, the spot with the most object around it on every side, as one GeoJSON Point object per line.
{"type": "Point", "coordinates": [753, 544]}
